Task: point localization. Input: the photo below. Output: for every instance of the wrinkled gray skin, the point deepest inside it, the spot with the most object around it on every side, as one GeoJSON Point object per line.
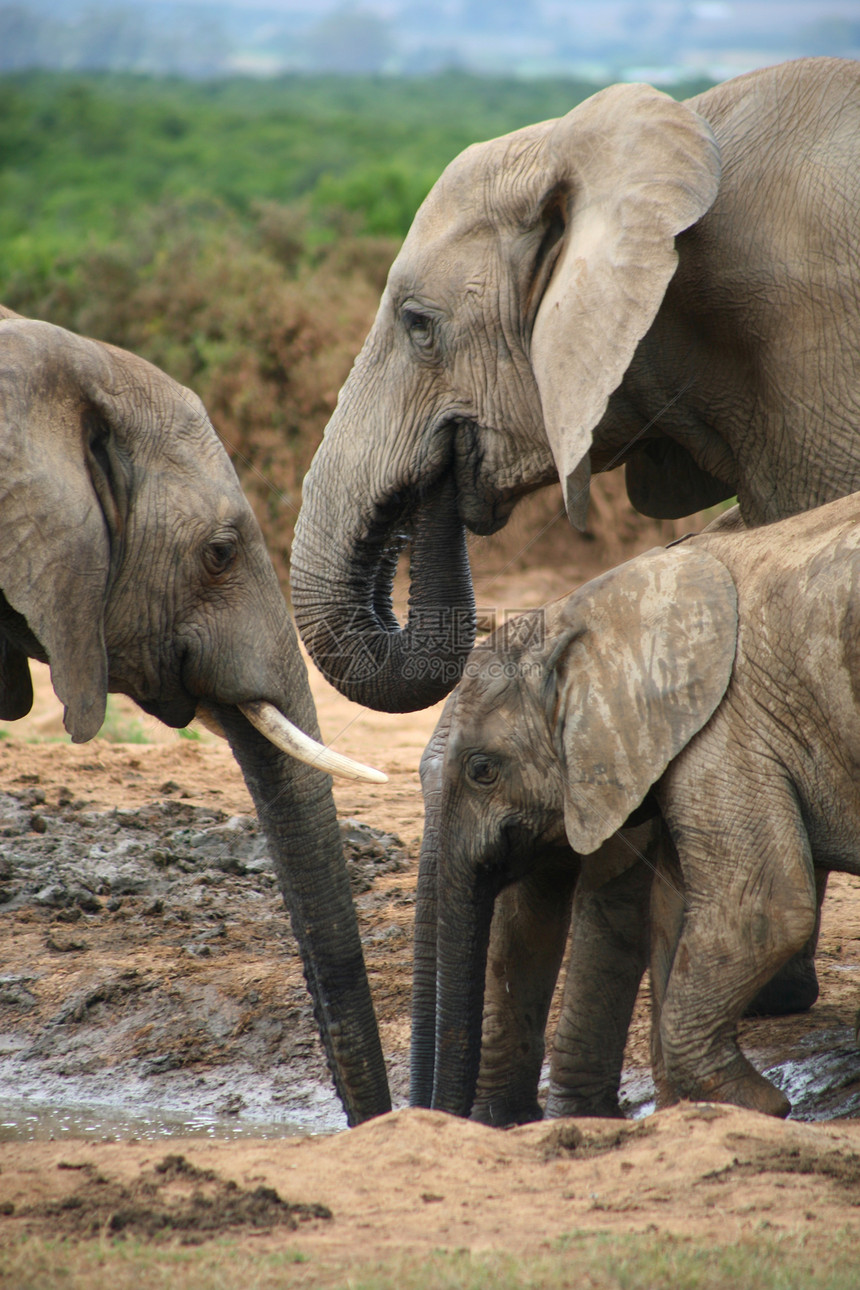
{"type": "Point", "coordinates": [608, 897]}
{"type": "Point", "coordinates": [679, 672]}
{"type": "Point", "coordinates": [605, 897]}
{"type": "Point", "coordinates": [670, 286]}
{"type": "Point", "coordinates": [673, 286]}
{"type": "Point", "coordinates": [131, 562]}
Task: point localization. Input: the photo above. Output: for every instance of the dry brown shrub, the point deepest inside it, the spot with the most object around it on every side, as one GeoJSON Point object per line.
{"type": "Point", "coordinates": [265, 329]}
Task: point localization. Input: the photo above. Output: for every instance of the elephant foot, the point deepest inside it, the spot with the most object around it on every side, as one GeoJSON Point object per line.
{"type": "Point", "coordinates": [598, 1105]}
{"type": "Point", "coordinates": [793, 989]}
{"type": "Point", "coordinates": [500, 1113]}
{"type": "Point", "coordinates": [740, 1084]}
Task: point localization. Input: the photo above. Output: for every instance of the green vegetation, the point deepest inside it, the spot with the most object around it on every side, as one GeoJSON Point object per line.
{"type": "Point", "coordinates": [236, 233]}
{"type": "Point", "coordinates": [80, 157]}
{"type": "Point", "coordinates": [600, 1261]}
{"type": "Point", "coordinates": [120, 728]}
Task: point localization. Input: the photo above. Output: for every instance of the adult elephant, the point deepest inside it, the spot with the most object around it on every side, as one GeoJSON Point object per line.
{"type": "Point", "coordinates": [675, 286]}
{"type": "Point", "coordinates": [130, 561]}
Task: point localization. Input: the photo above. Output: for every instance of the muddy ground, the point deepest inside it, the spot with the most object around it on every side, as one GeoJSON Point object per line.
{"type": "Point", "coordinates": [150, 989]}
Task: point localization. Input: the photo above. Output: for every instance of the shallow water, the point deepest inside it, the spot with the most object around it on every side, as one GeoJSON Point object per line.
{"type": "Point", "coordinates": [26, 1121]}
{"type": "Point", "coordinates": [230, 1102]}
{"type": "Point", "coordinates": [821, 1077]}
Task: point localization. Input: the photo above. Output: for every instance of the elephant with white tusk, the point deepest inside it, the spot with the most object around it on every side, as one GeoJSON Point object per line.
{"type": "Point", "coordinates": [131, 562]}
{"type": "Point", "coordinates": [717, 680]}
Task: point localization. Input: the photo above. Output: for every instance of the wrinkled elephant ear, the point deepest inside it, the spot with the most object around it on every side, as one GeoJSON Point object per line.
{"type": "Point", "coordinates": [642, 658]}
{"type": "Point", "coordinates": [54, 545]}
{"type": "Point", "coordinates": [629, 169]}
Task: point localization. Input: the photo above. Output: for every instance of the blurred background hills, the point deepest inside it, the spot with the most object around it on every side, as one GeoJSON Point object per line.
{"type": "Point", "coordinates": [658, 40]}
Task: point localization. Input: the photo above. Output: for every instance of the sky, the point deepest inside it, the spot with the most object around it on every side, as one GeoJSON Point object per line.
{"type": "Point", "coordinates": [637, 39]}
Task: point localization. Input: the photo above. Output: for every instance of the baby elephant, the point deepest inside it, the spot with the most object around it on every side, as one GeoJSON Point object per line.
{"type": "Point", "coordinates": [718, 679]}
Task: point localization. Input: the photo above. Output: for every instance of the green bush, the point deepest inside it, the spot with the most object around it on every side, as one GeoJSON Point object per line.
{"type": "Point", "coordinates": [237, 233]}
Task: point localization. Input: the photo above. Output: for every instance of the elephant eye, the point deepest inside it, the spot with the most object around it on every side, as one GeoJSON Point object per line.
{"type": "Point", "coordinates": [219, 556]}
{"type": "Point", "coordinates": [482, 770]}
{"type": "Point", "coordinates": [419, 327]}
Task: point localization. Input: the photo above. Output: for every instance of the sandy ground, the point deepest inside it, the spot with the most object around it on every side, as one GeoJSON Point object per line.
{"type": "Point", "coordinates": [412, 1180]}
{"type": "Point", "coordinates": [420, 1181]}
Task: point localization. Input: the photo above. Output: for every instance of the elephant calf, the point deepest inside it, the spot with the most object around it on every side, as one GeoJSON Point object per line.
{"type": "Point", "coordinates": [718, 679]}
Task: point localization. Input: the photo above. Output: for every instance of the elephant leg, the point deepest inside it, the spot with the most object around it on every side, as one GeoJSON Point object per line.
{"type": "Point", "coordinates": [794, 988]}
{"type": "Point", "coordinates": [750, 905]}
{"type": "Point", "coordinates": [608, 955]}
{"type": "Point", "coordinates": [527, 941]}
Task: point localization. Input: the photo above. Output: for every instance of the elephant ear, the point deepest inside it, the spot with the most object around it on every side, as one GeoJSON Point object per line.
{"type": "Point", "coordinates": [629, 169]}
{"type": "Point", "coordinates": [55, 492]}
{"type": "Point", "coordinates": [642, 658]}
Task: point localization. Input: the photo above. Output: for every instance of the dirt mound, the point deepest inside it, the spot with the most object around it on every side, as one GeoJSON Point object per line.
{"type": "Point", "coordinates": [172, 1199]}
{"type": "Point", "coordinates": [421, 1180]}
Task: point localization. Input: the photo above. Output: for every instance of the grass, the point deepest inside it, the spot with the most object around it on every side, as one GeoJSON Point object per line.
{"type": "Point", "coordinates": [599, 1261]}
{"type": "Point", "coordinates": [118, 728]}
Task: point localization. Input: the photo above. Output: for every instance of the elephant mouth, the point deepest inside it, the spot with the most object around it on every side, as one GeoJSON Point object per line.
{"type": "Point", "coordinates": [179, 711]}
{"type": "Point", "coordinates": [345, 613]}
{"type": "Point", "coordinates": [486, 497]}
{"type": "Point", "coordinates": [284, 735]}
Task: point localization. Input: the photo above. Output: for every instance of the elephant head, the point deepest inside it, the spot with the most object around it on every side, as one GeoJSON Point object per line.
{"type": "Point", "coordinates": [527, 941]}
{"type": "Point", "coordinates": [561, 724]}
{"type": "Point", "coordinates": [530, 274]}
{"type": "Point", "coordinates": [130, 561]}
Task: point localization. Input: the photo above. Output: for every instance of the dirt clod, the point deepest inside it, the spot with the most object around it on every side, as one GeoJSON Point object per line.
{"type": "Point", "coordinates": [175, 1198]}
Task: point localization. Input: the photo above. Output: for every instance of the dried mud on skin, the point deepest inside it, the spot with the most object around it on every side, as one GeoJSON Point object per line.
{"type": "Point", "coordinates": [174, 1199]}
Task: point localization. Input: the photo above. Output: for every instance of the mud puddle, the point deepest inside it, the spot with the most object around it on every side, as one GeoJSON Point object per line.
{"type": "Point", "coordinates": [821, 1078]}
{"type": "Point", "coordinates": [32, 1122]}
{"type": "Point", "coordinates": [232, 1104]}
{"type": "Point", "coordinates": [150, 985]}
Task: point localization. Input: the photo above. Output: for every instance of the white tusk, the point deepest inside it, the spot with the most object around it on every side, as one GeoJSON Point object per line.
{"type": "Point", "coordinates": [284, 735]}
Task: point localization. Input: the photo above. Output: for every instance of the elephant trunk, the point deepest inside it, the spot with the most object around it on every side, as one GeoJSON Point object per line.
{"type": "Point", "coordinates": [463, 937]}
{"type": "Point", "coordinates": [423, 1042]}
{"type": "Point", "coordinates": [423, 1051]}
{"type": "Point", "coordinates": [296, 809]}
{"type": "Point", "coordinates": [342, 597]}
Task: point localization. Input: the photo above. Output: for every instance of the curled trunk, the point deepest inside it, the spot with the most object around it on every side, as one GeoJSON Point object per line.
{"type": "Point", "coordinates": [342, 597]}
